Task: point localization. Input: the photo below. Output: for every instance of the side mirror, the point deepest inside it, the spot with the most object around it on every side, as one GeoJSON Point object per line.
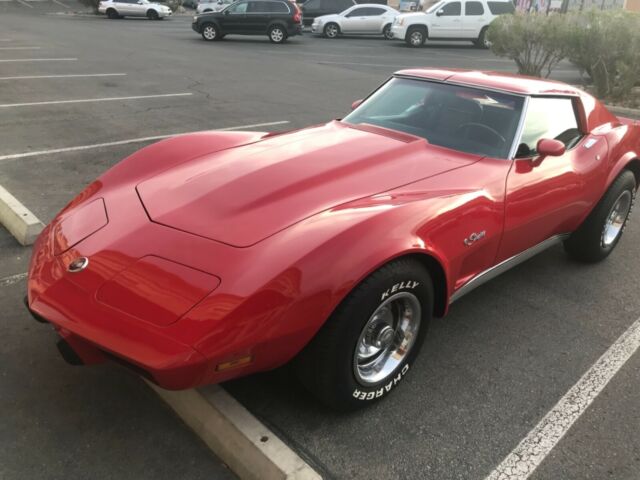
{"type": "Point", "coordinates": [548, 147]}
{"type": "Point", "coordinates": [356, 104]}
{"type": "Point", "coordinates": [439, 13]}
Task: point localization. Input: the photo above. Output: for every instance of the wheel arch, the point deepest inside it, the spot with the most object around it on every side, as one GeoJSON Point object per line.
{"type": "Point", "coordinates": [419, 26]}
{"type": "Point", "coordinates": [277, 23]}
{"type": "Point", "coordinates": [634, 166]}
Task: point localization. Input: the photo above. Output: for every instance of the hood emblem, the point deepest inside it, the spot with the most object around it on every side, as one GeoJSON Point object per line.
{"type": "Point", "coordinates": [78, 265]}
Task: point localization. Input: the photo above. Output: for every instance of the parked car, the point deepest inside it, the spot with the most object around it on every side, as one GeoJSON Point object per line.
{"type": "Point", "coordinates": [317, 8]}
{"type": "Point", "coordinates": [190, 3]}
{"type": "Point", "coordinates": [450, 20]}
{"type": "Point", "coordinates": [134, 8]}
{"type": "Point", "coordinates": [210, 256]}
{"type": "Point", "coordinates": [213, 6]}
{"type": "Point", "coordinates": [362, 19]}
{"type": "Point", "coordinates": [278, 19]}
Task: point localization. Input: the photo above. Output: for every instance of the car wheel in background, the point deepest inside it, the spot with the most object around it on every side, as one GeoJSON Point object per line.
{"type": "Point", "coordinates": [368, 344]}
{"type": "Point", "coordinates": [277, 34]}
{"type": "Point", "coordinates": [152, 15]}
{"type": "Point", "coordinates": [386, 32]}
{"type": "Point", "coordinates": [112, 14]}
{"type": "Point", "coordinates": [210, 32]}
{"type": "Point", "coordinates": [482, 41]}
{"type": "Point", "coordinates": [600, 232]}
{"type": "Point", "coordinates": [331, 30]}
{"type": "Point", "coordinates": [416, 37]}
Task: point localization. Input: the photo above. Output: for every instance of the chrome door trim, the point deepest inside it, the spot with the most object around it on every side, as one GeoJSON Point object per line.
{"type": "Point", "coordinates": [505, 265]}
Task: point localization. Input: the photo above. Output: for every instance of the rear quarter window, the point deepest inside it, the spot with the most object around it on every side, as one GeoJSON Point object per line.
{"type": "Point", "coordinates": [500, 8]}
{"type": "Point", "coordinates": [278, 7]}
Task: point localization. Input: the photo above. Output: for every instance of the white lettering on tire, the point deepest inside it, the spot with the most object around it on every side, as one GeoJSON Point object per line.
{"type": "Point", "coordinates": [410, 284]}
{"type": "Point", "coordinates": [360, 395]}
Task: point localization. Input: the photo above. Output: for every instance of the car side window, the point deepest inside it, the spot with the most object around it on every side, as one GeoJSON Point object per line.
{"type": "Point", "coordinates": [451, 9]}
{"type": "Point", "coordinates": [374, 12]}
{"type": "Point", "coordinates": [499, 8]}
{"type": "Point", "coordinates": [240, 7]}
{"type": "Point", "coordinates": [278, 7]}
{"type": "Point", "coordinates": [549, 117]}
{"type": "Point", "coordinates": [357, 12]}
{"type": "Point", "coordinates": [473, 9]}
{"type": "Point", "coordinates": [257, 7]}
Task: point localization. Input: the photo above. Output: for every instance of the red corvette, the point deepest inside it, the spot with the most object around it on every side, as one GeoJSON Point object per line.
{"type": "Point", "coordinates": [214, 255]}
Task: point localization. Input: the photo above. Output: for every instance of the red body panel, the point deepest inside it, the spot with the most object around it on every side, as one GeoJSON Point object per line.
{"type": "Point", "coordinates": [212, 247]}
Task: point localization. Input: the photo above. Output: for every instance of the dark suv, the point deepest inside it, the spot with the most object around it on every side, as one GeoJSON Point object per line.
{"type": "Point", "coordinates": [316, 8]}
{"type": "Point", "coordinates": [278, 19]}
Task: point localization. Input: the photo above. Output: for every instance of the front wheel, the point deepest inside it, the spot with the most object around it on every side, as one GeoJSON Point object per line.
{"type": "Point", "coordinates": [601, 231]}
{"type": "Point", "coordinates": [369, 343]}
{"type": "Point", "coordinates": [277, 34]}
{"type": "Point", "coordinates": [152, 15]}
{"type": "Point", "coordinates": [415, 37]}
{"type": "Point", "coordinates": [210, 32]}
{"type": "Point", "coordinates": [331, 30]}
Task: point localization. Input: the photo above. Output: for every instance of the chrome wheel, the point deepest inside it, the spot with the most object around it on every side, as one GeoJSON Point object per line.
{"type": "Point", "coordinates": [331, 30]}
{"type": "Point", "coordinates": [387, 32]}
{"type": "Point", "coordinates": [387, 338]}
{"type": "Point", "coordinates": [416, 38]}
{"type": "Point", "coordinates": [277, 35]}
{"type": "Point", "coordinates": [209, 32]}
{"type": "Point", "coordinates": [616, 219]}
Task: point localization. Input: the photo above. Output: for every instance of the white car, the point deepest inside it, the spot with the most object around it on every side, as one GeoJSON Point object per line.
{"type": "Point", "coordinates": [450, 20]}
{"type": "Point", "coordinates": [207, 6]}
{"type": "Point", "coordinates": [134, 8]}
{"type": "Point", "coordinates": [361, 19]}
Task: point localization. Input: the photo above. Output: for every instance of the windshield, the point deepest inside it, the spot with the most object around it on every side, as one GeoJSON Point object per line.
{"type": "Point", "coordinates": [466, 119]}
{"type": "Point", "coordinates": [434, 7]}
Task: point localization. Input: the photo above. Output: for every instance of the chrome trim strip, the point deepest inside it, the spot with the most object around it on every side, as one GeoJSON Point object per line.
{"type": "Point", "coordinates": [518, 136]}
{"type": "Point", "coordinates": [505, 265]}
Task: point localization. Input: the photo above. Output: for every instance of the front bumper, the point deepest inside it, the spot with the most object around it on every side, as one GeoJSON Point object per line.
{"type": "Point", "coordinates": [316, 28]}
{"type": "Point", "coordinates": [398, 32]}
{"type": "Point", "coordinates": [195, 27]}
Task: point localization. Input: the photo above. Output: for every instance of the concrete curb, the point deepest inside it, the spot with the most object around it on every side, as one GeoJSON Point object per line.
{"type": "Point", "coordinates": [18, 219]}
{"type": "Point", "coordinates": [239, 439]}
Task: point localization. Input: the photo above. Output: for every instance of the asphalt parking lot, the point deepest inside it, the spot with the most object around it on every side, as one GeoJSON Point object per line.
{"type": "Point", "coordinates": [488, 373]}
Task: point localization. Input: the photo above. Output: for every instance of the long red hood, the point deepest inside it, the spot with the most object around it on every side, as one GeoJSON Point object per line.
{"type": "Point", "coordinates": [243, 195]}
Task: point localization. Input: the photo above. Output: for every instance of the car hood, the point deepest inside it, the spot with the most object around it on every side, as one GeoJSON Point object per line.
{"type": "Point", "coordinates": [326, 18]}
{"type": "Point", "coordinates": [245, 194]}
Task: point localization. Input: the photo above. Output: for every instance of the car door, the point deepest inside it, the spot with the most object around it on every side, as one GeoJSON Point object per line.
{"type": "Point", "coordinates": [257, 17]}
{"type": "Point", "coordinates": [125, 7]}
{"type": "Point", "coordinates": [448, 21]}
{"type": "Point", "coordinates": [354, 21]}
{"type": "Point", "coordinates": [474, 19]}
{"type": "Point", "coordinates": [234, 18]}
{"type": "Point", "coordinates": [375, 16]}
{"type": "Point", "coordinates": [550, 196]}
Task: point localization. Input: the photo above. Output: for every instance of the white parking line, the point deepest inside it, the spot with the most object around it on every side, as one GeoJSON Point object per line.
{"type": "Point", "coordinates": [79, 75]}
{"type": "Point", "coordinates": [7, 60]}
{"type": "Point", "coordinates": [11, 279]}
{"type": "Point", "coordinates": [90, 100]}
{"type": "Point", "coordinates": [125, 142]}
{"type": "Point", "coordinates": [6, 39]}
{"type": "Point", "coordinates": [22, 2]}
{"type": "Point", "coordinates": [531, 451]}
{"type": "Point", "coordinates": [61, 4]}
{"type": "Point", "coordinates": [365, 64]}
{"type": "Point", "coordinates": [20, 48]}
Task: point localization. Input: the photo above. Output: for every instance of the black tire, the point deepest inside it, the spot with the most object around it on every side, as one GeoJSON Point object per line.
{"type": "Point", "coordinates": [331, 30]}
{"type": "Point", "coordinates": [481, 41]}
{"type": "Point", "coordinates": [210, 32]}
{"type": "Point", "coordinates": [152, 15]}
{"type": "Point", "coordinates": [328, 366]}
{"type": "Point", "coordinates": [593, 242]}
{"type": "Point", "coordinates": [386, 32]}
{"type": "Point", "coordinates": [415, 36]}
{"type": "Point", "coordinates": [112, 14]}
{"type": "Point", "coordinates": [277, 34]}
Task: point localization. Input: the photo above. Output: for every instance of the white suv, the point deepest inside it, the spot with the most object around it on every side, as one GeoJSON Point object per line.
{"type": "Point", "coordinates": [133, 8]}
{"type": "Point", "coordinates": [450, 20]}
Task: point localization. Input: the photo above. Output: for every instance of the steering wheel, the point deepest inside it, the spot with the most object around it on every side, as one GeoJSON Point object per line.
{"type": "Point", "coordinates": [482, 126]}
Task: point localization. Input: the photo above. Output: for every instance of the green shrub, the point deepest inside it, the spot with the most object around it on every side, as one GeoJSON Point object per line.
{"type": "Point", "coordinates": [606, 46]}
{"type": "Point", "coordinates": [536, 42]}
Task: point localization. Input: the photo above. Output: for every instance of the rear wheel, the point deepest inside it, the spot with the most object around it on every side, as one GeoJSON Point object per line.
{"type": "Point", "coordinates": [386, 32]}
{"type": "Point", "coordinates": [601, 231]}
{"type": "Point", "coordinates": [368, 344]}
{"type": "Point", "coordinates": [416, 37]}
{"type": "Point", "coordinates": [112, 14]}
{"type": "Point", "coordinates": [331, 30]}
{"type": "Point", "coordinates": [152, 15]}
{"type": "Point", "coordinates": [277, 34]}
{"type": "Point", "coordinates": [482, 41]}
{"type": "Point", "coordinates": [210, 32]}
